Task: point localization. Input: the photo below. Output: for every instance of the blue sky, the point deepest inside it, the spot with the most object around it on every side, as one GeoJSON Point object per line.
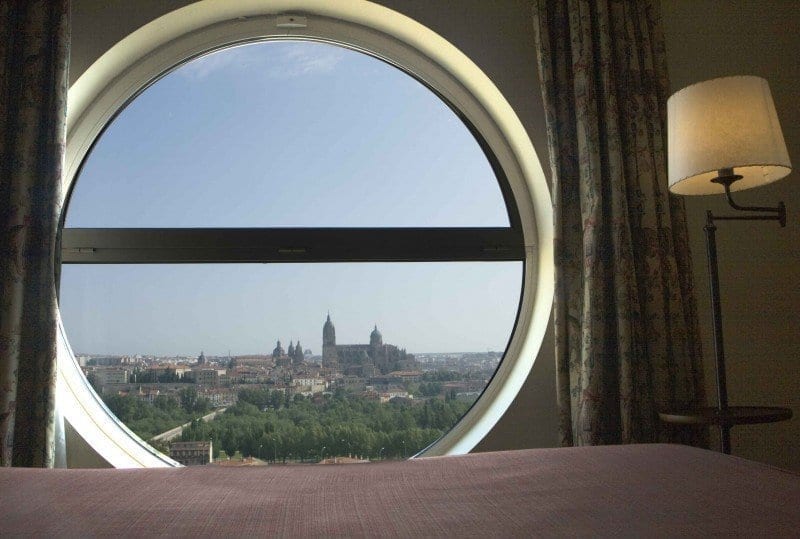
{"type": "Point", "coordinates": [286, 134]}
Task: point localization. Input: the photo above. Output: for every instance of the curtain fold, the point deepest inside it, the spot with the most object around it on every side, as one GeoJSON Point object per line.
{"type": "Point", "coordinates": [627, 341]}
{"type": "Point", "coordinates": [34, 57]}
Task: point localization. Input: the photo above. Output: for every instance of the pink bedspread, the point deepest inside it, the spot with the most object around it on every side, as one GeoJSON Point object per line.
{"type": "Point", "coordinates": [659, 490]}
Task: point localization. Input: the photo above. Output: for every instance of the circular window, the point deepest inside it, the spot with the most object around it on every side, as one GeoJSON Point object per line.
{"type": "Point", "coordinates": [236, 199]}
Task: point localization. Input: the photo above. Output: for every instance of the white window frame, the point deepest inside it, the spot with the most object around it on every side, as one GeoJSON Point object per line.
{"type": "Point", "coordinates": [131, 64]}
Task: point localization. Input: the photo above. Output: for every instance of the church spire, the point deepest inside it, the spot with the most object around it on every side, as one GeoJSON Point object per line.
{"type": "Point", "coordinates": [328, 332]}
{"type": "Point", "coordinates": [298, 356]}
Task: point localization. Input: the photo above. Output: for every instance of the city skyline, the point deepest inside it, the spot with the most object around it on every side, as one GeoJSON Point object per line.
{"type": "Point", "coordinates": [266, 349]}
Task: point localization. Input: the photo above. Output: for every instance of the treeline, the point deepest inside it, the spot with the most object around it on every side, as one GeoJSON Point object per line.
{"type": "Point", "coordinates": [267, 425]}
{"type": "Point", "coordinates": [165, 413]}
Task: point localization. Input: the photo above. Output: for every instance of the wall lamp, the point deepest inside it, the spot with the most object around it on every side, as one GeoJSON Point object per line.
{"type": "Point", "coordinates": [724, 136]}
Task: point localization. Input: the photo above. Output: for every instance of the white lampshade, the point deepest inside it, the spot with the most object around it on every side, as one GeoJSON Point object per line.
{"type": "Point", "coordinates": [725, 123]}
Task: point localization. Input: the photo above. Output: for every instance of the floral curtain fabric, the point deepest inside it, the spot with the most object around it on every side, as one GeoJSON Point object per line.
{"type": "Point", "coordinates": [627, 342]}
{"type": "Point", "coordinates": [34, 53]}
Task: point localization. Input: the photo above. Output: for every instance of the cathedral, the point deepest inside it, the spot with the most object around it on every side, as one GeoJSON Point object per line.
{"type": "Point", "coordinates": [362, 359]}
{"type": "Point", "coordinates": [283, 358]}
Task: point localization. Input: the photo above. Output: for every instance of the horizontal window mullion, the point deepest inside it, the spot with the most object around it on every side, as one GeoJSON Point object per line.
{"type": "Point", "coordinates": [112, 245]}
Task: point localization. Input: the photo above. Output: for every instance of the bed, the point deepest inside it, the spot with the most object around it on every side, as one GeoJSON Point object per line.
{"type": "Point", "coordinates": [635, 490]}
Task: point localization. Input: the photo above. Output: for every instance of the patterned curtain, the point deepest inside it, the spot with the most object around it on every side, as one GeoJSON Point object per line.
{"type": "Point", "coordinates": [34, 54]}
{"type": "Point", "coordinates": [627, 342]}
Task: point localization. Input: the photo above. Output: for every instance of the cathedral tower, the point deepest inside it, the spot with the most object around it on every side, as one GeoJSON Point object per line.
{"type": "Point", "coordinates": [330, 358]}
{"type": "Point", "coordinates": [279, 356]}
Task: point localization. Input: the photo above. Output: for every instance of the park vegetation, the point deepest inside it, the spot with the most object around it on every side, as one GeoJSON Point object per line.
{"type": "Point", "coordinates": [269, 425]}
{"type": "Point", "coordinates": [275, 426]}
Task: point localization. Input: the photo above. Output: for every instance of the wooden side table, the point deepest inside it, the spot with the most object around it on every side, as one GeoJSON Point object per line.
{"type": "Point", "coordinates": [727, 417]}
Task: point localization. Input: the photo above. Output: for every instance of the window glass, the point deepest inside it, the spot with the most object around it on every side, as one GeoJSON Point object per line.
{"type": "Point", "coordinates": [391, 355]}
{"type": "Point", "coordinates": [286, 134]}
{"type": "Point", "coordinates": [298, 361]}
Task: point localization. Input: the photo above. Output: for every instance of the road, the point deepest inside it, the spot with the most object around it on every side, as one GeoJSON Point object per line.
{"type": "Point", "coordinates": [171, 434]}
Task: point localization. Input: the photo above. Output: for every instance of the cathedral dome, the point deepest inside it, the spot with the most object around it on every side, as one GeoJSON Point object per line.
{"type": "Point", "coordinates": [375, 338]}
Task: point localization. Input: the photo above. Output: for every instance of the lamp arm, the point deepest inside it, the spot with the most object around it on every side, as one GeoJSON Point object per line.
{"type": "Point", "coordinates": [726, 180]}
{"type": "Point", "coordinates": [780, 209]}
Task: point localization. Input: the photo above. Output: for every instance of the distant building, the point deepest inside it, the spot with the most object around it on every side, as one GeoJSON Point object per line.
{"type": "Point", "coordinates": [179, 371]}
{"type": "Point", "coordinates": [248, 375]}
{"type": "Point", "coordinates": [363, 359]}
{"type": "Point", "coordinates": [352, 384]}
{"type": "Point", "coordinates": [111, 375]}
{"type": "Point", "coordinates": [209, 376]}
{"type": "Point", "coordinates": [397, 393]}
{"type": "Point", "coordinates": [191, 453]}
{"type": "Point", "coordinates": [407, 376]}
{"type": "Point", "coordinates": [252, 361]}
{"type": "Point", "coordinates": [147, 394]}
{"type": "Point", "coordinates": [461, 386]}
{"type": "Point", "coordinates": [166, 373]}
{"type": "Point", "coordinates": [219, 396]}
{"type": "Point", "coordinates": [308, 386]}
{"type": "Point", "coordinates": [104, 361]}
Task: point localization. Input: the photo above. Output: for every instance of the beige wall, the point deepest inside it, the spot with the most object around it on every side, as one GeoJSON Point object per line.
{"type": "Point", "coordinates": [759, 262]}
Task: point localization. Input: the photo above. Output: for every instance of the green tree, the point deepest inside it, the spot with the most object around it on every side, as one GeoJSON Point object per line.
{"type": "Point", "coordinates": [188, 398]}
